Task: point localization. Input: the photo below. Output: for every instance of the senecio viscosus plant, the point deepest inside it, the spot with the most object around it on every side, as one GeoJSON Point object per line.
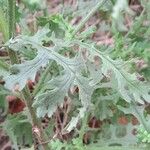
{"type": "Point", "coordinates": [78, 70]}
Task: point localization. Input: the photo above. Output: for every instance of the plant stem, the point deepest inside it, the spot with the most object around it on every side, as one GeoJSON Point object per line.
{"type": "Point", "coordinates": [28, 99]}
{"type": "Point", "coordinates": [3, 25]}
{"type": "Point", "coordinates": [14, 59]}
{"type": "Point", "coordinates": [11, 28]}
{"type": "Point", "coordinates": [92, 12]}
{"type": "Point", "coordinates": [11, 17]}
{"type": "Point", "coordinates": [35, 122]}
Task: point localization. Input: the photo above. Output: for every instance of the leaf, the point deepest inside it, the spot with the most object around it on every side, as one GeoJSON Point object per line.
{"type": "Point", "coordinates": [113, 138]}
{"type": "Point", "coordinates": [19, 130]}
{"type": "Point", "coordinates": [57, 24]}
{"type": "Point", "coordinates": [26, 71]}
{"type": "Point", "coordinates": [28, 53]}
{"type": "Point", "coordinates": [85, 93]}
{"type": "Point", "coordinates": [103, 102]}
{"type": "Point", "coordinates": [128, 139]}
{"type": "Point", "coordinates": [143, 135]}
{"type": "Point", "coordinates": [95, 73]}
{"type": "Point", "coordinates": [22, 41]}
{"type": "Point", "coordinates": [56, 145]}
{"type": "Point", "coordinates": [125, 83]}
{"type": "Point", "coordinates": [85, 90]}
{"type": "Point", "coordinates": [134, 110]}
{"type": "Point", "coordinates": [104, 110]}
{"type": "Point", "coordinates": [74, 120]}
{"type": "Point", "coordinates": [49, 100]}
{"type": "Point", "coordinates": [56, 89]}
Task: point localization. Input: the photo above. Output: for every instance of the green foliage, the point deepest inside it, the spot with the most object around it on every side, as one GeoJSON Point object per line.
{"type": "Point", "coordinates": [126, 83]}
{"type": "Point", "coordinates": [57, 24]}
{"type": "Point", "coordinates": [143, 135]}
{"type": "Point", "coordinates": [105, 103]}
{"type": "Point", "coordinates": [19, 130]}
{"type": "Point", "coordinates": [76, 144]}
{"type": "Point", "coordinates": [106, 85]}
